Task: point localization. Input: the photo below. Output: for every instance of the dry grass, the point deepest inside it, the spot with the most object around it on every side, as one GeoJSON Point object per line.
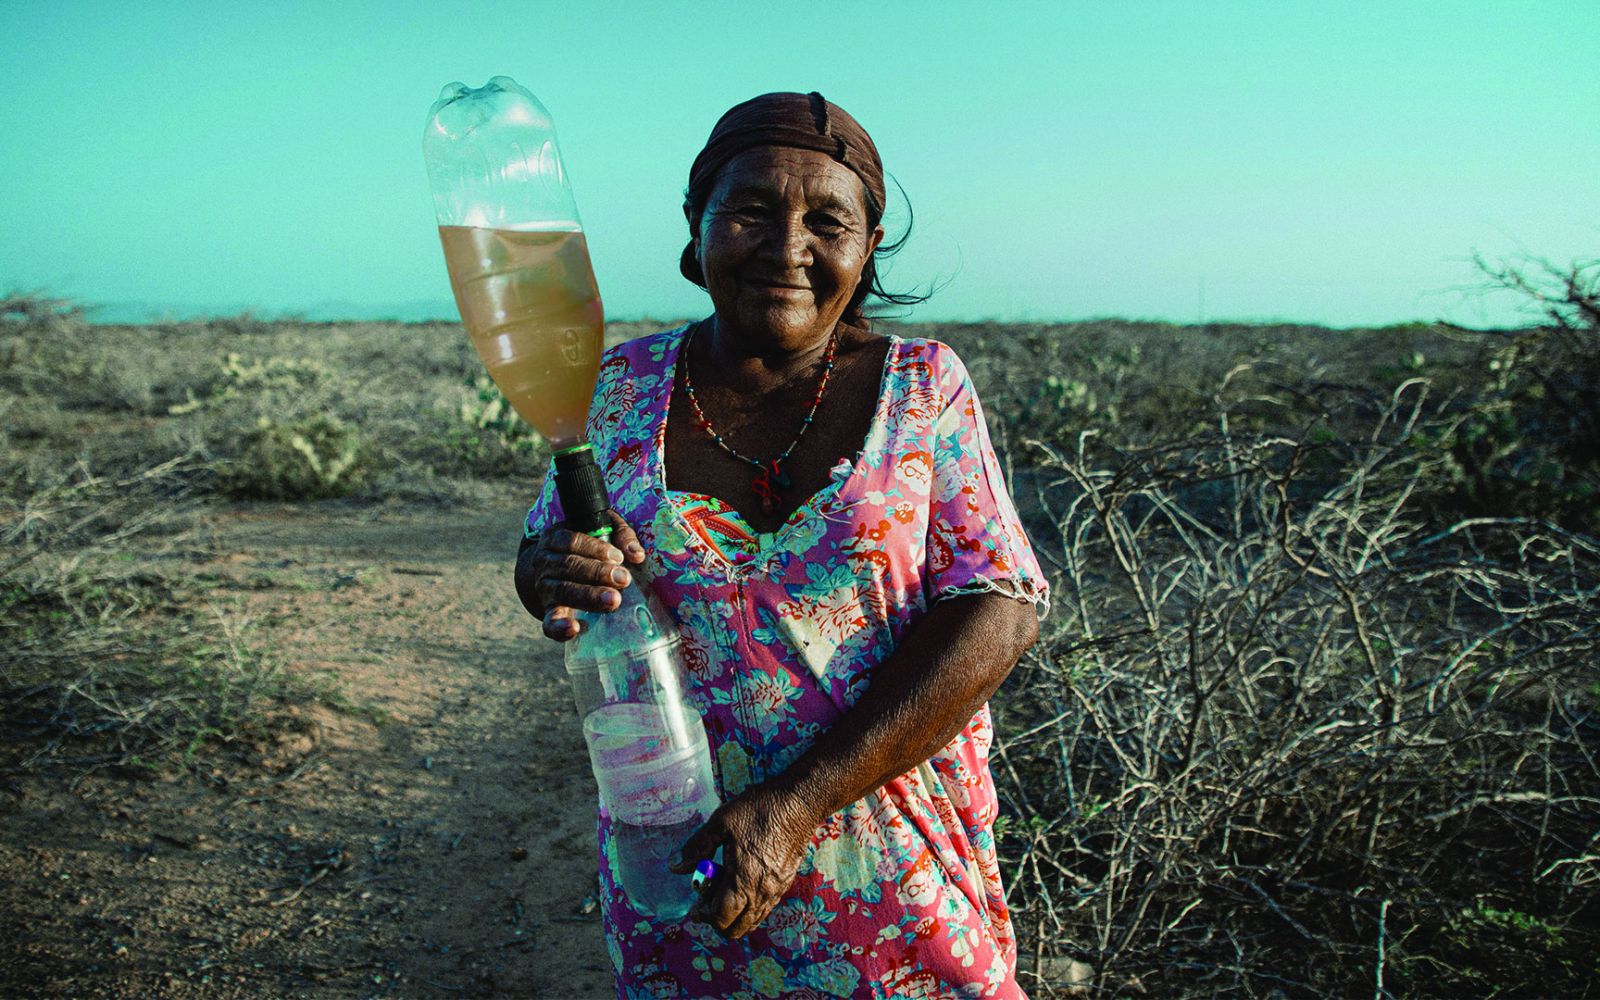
{"type": "Point", "coordinates": [109, 661]}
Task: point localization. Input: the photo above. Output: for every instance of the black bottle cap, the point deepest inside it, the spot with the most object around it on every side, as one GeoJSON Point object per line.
{"type": "Point", "coordinates": [582, 491]}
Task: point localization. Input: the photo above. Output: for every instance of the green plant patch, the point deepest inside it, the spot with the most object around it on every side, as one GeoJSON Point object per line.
{"type": "Point", "coordinates": [315, 458]}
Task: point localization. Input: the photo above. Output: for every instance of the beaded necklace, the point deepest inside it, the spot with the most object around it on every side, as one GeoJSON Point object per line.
{"type": "Point", "coordinates": [770, 480]}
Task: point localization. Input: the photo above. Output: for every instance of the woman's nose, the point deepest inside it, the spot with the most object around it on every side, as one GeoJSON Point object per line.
{"type": "Point", "coordinates": [791, 243]}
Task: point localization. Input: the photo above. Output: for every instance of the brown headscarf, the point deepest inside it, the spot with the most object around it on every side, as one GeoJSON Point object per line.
{"type": "Point", "coordinates": [800, 121]}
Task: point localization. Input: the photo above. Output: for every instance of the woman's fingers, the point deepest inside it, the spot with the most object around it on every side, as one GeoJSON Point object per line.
{"type": "Point", "coordinates": [569, 571]}
{"type": "Point", "coordinates": [560, 625]}
{"type": "Point", "coordinates": [583, 597]}
{"type": "Point", "coordinates": [565, 540]}
{"type": "Point", "coordinates": [723, 902]}
{"type": "Point", "coordinates": [701, 845]}
{"type": "Point", "coordinates": [580, 571]}
{"type": "Point", "coordinates": [739, 897]}
{"type": "Point", "coordinates": [761, 903]}
{"type": "Point", "coordinates": [725, 906]}
{"type": "Point", "coordinates": [758, 865]}
{"type": "Point", "coordinates": [583, 569]}
{"type": "Point", "coordinates": [623, 537]}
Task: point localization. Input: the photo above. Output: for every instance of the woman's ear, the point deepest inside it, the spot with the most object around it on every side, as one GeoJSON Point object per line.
{"type": "Point", "coordinates": [694, 219]}
{"type": "Point", "coordinates": [689, 263]}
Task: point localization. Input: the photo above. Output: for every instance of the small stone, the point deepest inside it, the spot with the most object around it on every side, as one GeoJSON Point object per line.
{"type": "Point", "coordinates": [519, 854]}
{"type": "Point", "coordinates": [1073, 977]}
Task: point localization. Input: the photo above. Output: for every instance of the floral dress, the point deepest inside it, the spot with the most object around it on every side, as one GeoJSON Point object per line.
{"type": "Point", "coordinates": [898, 894]}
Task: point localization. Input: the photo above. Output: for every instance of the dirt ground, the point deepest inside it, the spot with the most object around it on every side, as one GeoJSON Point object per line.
{"type": "Point", "coordinates": [435, 839]}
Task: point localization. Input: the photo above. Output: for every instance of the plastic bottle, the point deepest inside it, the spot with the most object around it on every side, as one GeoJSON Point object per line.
{"type": "Point", "coordinates": [646, 743]}
{"type": "Point", "coordinates": [520, 271]}
{"type": "Point", "coordinates": [518, 261]}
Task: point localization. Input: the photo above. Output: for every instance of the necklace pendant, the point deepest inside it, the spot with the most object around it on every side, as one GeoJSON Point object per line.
{"type": "Point", "coordinates": [781, 480]}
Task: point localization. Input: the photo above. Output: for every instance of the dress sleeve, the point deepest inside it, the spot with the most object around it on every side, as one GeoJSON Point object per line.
{"type": "Point", "coordinates": [975, 542]}
{"type": "Point", "coordinates": [546, 510]}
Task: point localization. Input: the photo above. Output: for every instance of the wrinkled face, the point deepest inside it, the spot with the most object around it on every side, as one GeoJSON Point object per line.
{"type": "Point", "coordinates": [782, 243]}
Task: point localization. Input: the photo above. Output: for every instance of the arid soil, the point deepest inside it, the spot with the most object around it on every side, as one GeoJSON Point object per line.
{"type": "Point", "coordinates": [432, 836]}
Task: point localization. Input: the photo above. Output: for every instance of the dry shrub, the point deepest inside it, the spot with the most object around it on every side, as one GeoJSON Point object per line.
{"type": "Point", "coordinates": [50, 350]}
{"type": "Point", "coordinates": [36, 310]}
{"type": "Point", "coordinates": [1530, 439]}
{"type": "Point", "coordinates": [1289, 734]}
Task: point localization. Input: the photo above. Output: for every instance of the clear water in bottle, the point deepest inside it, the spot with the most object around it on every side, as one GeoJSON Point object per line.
{"type": "Point", "coordinates": [655, 780]}
{"type": "Point", "coordinates": [643, 853]}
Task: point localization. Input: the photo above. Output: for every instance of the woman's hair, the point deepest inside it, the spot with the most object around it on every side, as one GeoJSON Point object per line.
{"type": "Point", "coordinates": [802, 121]}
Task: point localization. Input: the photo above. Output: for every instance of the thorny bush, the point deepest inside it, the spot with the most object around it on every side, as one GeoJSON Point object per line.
{"type": "Point", "coordinates": [1530, 440]}
{"type": "Point", "coordinates": [1288, 733]}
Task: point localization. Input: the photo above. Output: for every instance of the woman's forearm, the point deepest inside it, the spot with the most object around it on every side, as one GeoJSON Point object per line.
{"type": "Point", "coordinates": [918, 700]}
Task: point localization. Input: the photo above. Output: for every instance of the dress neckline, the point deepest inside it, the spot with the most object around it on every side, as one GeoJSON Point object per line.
{"type": "Point", "coordinates": [841, 473]}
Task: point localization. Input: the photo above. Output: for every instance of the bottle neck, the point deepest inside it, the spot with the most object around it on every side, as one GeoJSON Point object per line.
{"type": "Point", "coordinates": [582, 490]}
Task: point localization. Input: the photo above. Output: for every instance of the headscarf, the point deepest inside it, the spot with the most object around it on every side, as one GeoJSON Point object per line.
{"type": "Point", "coordinates": [800, 121]}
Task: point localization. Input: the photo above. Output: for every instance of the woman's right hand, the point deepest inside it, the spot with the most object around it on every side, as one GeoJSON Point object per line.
{"type": "Point", "coordinates": [566, 571]}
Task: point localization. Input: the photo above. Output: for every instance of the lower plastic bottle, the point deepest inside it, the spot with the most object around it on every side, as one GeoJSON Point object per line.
{"type": "Point", "coordinates": [646, 743]}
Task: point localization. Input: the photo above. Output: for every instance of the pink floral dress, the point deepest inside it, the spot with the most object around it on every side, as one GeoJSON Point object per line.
{"type": "Point", "coordinates": [898, 894]}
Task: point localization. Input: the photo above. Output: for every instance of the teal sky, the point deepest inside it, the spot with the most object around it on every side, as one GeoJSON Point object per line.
{"type": "Point", "coordinates": [1322, 162]}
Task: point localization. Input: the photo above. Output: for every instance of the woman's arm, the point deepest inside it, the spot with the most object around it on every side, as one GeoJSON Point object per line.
{"type": "Point", "coordinates": [918, 700]}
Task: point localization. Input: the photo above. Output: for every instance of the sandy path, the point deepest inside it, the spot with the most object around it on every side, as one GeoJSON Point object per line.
{"type": "Point", "coordinates": [447, 851]}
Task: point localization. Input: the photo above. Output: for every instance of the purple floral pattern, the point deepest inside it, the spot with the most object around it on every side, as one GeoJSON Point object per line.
{"type": "Point", "coordinates": [900, 893]}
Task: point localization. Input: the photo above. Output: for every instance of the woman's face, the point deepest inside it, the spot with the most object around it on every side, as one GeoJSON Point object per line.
{"type": "Point", "coordinates": [781, 244]}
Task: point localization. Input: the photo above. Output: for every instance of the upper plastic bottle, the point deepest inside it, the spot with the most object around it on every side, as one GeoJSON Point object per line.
{"type": "Point", "coordinates": [493, 160]}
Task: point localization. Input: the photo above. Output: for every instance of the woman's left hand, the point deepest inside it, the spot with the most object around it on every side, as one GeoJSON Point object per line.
{"type": "Point", "coordinates": [763, 836]}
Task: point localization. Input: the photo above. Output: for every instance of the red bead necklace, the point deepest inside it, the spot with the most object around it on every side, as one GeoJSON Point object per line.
{"type": "Point", "coordinates": [770, 480]}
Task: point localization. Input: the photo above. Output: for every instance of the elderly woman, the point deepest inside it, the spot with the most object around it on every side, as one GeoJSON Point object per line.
{"type": "Point", "coordinates": [820, 508]}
